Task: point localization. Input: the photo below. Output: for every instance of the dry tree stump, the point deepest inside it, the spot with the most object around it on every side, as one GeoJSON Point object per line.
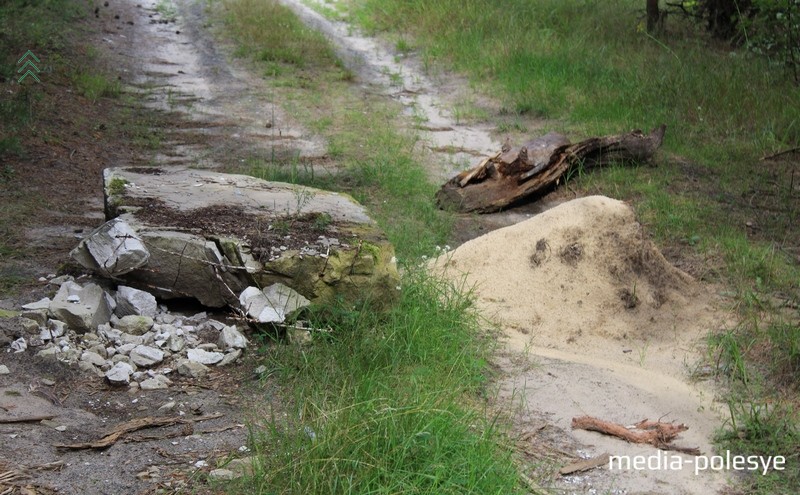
{"type": "Point", "coordinates": [513, 174]}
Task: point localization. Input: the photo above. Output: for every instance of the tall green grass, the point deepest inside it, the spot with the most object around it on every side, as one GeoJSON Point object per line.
{"type": "Point", "coordinates": [382, 404]}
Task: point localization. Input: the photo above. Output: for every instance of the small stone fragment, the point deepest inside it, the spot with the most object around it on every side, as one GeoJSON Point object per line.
{"type": "Point", "coordinates": [38, 305]}
{"type": "Point", "coordinates": [152, 384]}
{"type": "Point", "coordinates": [93, 358]}
{"type": "Point", "coordinates": [146, 356]}
{"type": "Point", "coordinates": [37, 315]}
{"type": "Point", "coordinates": [242, 466]}
{"type": "Point", "coordinates": [89, 367]}
{"type": "Point", "coordinates": [204, 357]}
{"type": "Point", "coordinates": [92, 310]}
{"type": "Point", "coordinates": [120, 374]}
{"type": "Point", "coordinates": [30, 326]}
{"type": "Point", "coordinates": [192, 369]}
{"type": "Point", "coordinates": [176, 343]}
{"type": "Point", "coordinates": [4, 370]}
{"type": "Point", "coordinates": [132, 301]}
{"type": "Point", "coordinates": [222, 474]}
{"type": "Point", "coordinates": [19, 345]}
{"type": "Point", "coordinates": [230, 357]}
{"type": "Point", "coordinates": [135, 324]}
{"type": "Point", "coordinates": [272, 304]}
{"type": "Point", "coordinates": [113, 249]}
{"type": "Point", "coordinates": [231, 338]}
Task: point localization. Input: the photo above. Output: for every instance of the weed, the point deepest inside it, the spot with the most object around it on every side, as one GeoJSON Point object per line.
{"type": "Point", "coordinates": [403, 46]}
{"type": "Point", "coordinates": [117, 186]}
{"type": "Point", "coordinates": [384, 401]}
{"type": "Point", "coordinates": [96, 86]}
{"type": "Point", "coordinates": [322, 221]}
{"type": "Point", "coordinates": [167, 10]}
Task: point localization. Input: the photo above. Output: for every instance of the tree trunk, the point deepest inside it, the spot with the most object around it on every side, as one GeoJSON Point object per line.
{"type": "Point", "coordinates": [653, 15]}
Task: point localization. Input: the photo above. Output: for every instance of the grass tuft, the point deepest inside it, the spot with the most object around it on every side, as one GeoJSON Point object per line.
{"type": "Point", "coordinates": [380, 403]}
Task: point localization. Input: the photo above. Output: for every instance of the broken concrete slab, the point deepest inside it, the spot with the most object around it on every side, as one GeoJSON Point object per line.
{"type": "Point", "coordinates": [211, 235]}
{"type": "Point", "coordinates": [273, 304]}
{"type": "Point", "coordinates": [132, 301]}
{"type": "Point", "coordinates": [112, 249]}
{"type": "Point", "coordinates": [81, 308]}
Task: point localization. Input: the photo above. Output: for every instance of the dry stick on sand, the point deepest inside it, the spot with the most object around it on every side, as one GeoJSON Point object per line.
{"type": "Point", "coordinates": [26, 419]}
{"type": "Point", "coordinates": [655, 433]}
{"type": "Point", "coordinates": [131, 426]}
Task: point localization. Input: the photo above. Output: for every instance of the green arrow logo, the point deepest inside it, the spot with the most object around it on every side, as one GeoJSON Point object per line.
{"type": "Point", "coordinates": [28, 63]}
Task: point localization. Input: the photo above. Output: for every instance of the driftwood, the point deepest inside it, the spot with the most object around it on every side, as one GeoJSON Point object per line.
{"type": "Point", "coordinates": [513, 174]}
{"type": "Point", "coordinates": [655, 433]}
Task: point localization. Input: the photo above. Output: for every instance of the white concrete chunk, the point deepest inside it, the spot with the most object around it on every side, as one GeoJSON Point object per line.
{"type": "Point", "coordinates": [204, 357]}
{"type": "Point", "coordinates": [114, 249]}
{"type": "Point", "coordinates": [132, 301]}
{"type": "Point", "coordinates": [145, 356]}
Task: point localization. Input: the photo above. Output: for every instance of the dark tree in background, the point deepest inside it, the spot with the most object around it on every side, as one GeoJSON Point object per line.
{"type": "Point", "coordinates": [653, 15]}
{"type": "Point", "coordinates": [768, 27]}
{"type": "Point", "coordinates": [723, 16]}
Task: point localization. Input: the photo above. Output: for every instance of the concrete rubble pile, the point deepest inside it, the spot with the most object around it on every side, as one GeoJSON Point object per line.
{"type": "Point", "coordinates": [127, 338]}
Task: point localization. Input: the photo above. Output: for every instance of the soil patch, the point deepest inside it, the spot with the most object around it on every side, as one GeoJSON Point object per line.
{"type": "Point", "coordinates": [260, 234]}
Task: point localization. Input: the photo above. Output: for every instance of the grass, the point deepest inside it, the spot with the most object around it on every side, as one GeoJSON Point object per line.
{"type": "Point", "coordinates": [380, 404]}
{"type": "Point", "coordinates": [95, 86]}
{"type": "Point", "coordinates": [388, 401]}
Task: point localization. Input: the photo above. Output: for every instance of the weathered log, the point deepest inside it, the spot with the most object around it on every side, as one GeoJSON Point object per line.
{"type": "Point", "coordinates": [510, 176]}
{"type": "Point", "coordinates": [655, 433]}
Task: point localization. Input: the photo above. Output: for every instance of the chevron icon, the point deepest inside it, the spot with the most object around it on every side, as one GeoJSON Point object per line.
{"type": "Point", "coordinates": [28, 58]}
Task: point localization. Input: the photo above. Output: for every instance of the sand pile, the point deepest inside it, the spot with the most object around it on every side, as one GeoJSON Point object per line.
{"type": "Point", "coordinates": [578, 272]}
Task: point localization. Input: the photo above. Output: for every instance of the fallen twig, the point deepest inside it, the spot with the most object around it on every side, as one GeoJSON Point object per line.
{"type": "Point", "coordinates": [584, 465]}
{"type": "Point", "coordinates": [655, 433]}
{"type": "Point", "coordinates": [780, 153]}
{"type": "Point", "coordinates": [131, 426]}
{"type": "Point", "coordinates": [26, 419]}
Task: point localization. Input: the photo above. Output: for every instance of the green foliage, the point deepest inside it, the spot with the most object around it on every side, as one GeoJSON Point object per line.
{"type": "Point", "coordinates": [773, 29]}
{"type": "Point", "coordinates": [383, 403]}
{"type": "Point", "coordinates": [95, 86]}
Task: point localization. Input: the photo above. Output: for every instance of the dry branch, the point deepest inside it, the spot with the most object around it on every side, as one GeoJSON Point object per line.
{"type": "Point", "coordinates": [26, 419]}
{"type": "Point", "coordinates": [133, 425]}
{"type": "Point", "coordinates": [584, 465]}
{"type": "Point", "coordinates": [655, 433]}
{"type": "Point", "coordinates": [517, 173]}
